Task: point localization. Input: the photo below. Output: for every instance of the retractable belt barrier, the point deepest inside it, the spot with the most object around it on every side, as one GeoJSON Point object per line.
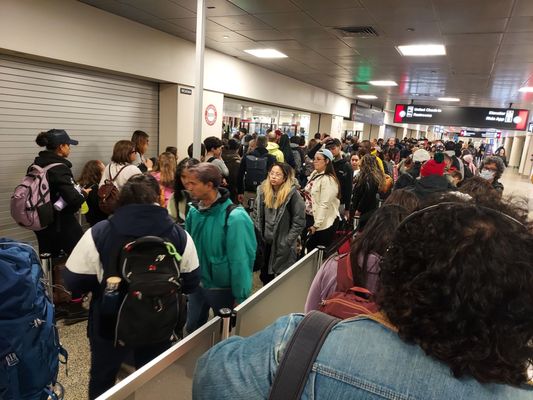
{"type": "Point", "coordinates": [169, 376]}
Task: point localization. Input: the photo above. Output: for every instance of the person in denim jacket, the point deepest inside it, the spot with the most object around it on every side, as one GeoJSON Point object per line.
{"type": "Point", "coordinates": [457, 322]}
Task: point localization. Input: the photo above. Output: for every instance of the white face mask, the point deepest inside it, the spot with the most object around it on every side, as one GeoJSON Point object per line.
{"type": "Point", "coordinates": [487, 174]}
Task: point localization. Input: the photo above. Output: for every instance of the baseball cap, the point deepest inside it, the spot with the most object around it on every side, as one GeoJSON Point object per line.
{"type": "Point", "coordinates": [326, 153]}
{"type": "Point", "coordinates": [59, 136]}
{"type": "Point", "coordinates": [421, 155]}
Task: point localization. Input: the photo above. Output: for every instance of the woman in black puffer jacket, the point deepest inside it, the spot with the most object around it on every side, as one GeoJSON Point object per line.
{"type": "Point", "coordinates": [65, 231]}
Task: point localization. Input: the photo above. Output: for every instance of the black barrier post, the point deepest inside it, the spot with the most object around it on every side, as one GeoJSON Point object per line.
{"type": "Point", "coordinates": [46, 262]}
{"type": "Point", "coordinates": [228, 321]}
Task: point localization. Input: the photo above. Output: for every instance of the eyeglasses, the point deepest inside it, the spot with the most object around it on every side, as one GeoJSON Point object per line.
{"type": "Point", "coordinates": [276, 175]}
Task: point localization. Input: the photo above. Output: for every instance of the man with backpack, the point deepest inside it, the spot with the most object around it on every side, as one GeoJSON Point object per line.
{"type": "Point", "coordinates": [226, 245]}
{"type": "Point", "coordinates": [253, 171]}
{"type": "Point", "coordinates": [137, 265]}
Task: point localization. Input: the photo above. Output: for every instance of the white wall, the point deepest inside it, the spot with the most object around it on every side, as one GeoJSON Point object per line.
{"type": "Point", "coordinates": [72, 32]}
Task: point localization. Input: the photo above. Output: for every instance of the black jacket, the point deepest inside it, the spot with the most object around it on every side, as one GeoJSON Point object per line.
{"type": "Point", "coordinates": [259, 152]}
{"type": "Point", "coordinates": [344, 173]}
{"type": "Point", "coordinates": [61, 181]}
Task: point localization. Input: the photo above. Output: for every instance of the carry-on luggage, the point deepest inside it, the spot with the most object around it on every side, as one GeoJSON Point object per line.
{"type": "Point", "coordinates": [30, 351]}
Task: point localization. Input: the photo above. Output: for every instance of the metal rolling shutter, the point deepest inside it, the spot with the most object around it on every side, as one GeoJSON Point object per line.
{"type": "Point", "coordinates": [95, 108]}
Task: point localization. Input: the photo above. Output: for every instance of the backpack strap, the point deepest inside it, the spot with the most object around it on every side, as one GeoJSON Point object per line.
{"type": "Point", "coordinates": [211, 159]}
{"type": "Point", "coordinates": [301, 353]}
{"type": "Point", "coordinates": [118, 173]}
{"type": "Point", "coordinates": [229, 209]}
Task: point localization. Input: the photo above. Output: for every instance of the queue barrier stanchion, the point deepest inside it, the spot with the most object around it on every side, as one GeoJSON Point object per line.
{"type": "Point", "coordinates": [46, 263]}
{"type": "Point", "coordinates": [355, 223]}
{"type": "Point", "coordinates": [320, 259]}
{"type": "Point", "coordinates": [227, 315]}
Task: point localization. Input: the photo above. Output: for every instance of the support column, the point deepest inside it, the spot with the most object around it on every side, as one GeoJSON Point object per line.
{"type": "Point", "coordinates": [199, 78]}
{"type": "Point", "coordinates": [516, 151]}
{"type": "Point", "coordinates": [527, 156]}
{"type": "Point", "coordinates": [168, 117]}
{"type": "Point", "coordinates": [508, 145]}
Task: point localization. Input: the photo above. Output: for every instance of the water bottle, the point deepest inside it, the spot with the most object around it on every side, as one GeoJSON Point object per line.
{"type": "Point", "coordinates": [109, 307]}
{"type": "Point", "coordinates": [111, 297]}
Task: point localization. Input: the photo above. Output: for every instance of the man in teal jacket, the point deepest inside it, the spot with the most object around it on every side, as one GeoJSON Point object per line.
{"type": "Point", "coordinates": [226, 251]}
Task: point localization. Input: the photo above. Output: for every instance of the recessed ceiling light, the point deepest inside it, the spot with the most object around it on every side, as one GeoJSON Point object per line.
{"type": "Point", "coordinates": [449, 99]}
{"type": "Point", "coordinates": [383, 83]}
{"type": "Point", "coordinates": [225, 37]}
{"type": "Point", "coordinates": [266, 53]}
{"type": "Point", "coordinates": [421, 50]}
{"type": "Point", "coordinates": [526, 89]}
{"type": "Point", "coordinates": [367, 96]}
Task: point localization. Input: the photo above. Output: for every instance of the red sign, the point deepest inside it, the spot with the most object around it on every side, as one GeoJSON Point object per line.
{"type": "Point", "coordinates": [210, 115]}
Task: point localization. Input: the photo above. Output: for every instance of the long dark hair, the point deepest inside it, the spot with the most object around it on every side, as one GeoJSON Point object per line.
{"type": "Point", "coordinates": [370, 171]}
{"type": "Point", "coordinates": [179, 188]}
{"type": "Point", "coordinates": [91, 173]}
{"type": "Point", "coordinates": [375, 238]}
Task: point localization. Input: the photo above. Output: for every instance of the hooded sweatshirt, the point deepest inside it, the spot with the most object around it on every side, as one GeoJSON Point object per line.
{"type": "Point", "coordinates": [226, 251]}
{"type": "Point", "coordinates": [273, 148]}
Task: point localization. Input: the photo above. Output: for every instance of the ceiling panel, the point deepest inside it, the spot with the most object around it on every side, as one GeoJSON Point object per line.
{"type": "Point", "coordinates": [330, 4]}
{"type": "Point", "coordinates": [226, 37]}
{"type": "Point", "coordinates": [241, 22]}
{"type": "Point", "coordinates": [472, 39]}
{"type": "Point", "coordinates": [517, 38]}
{"type": "Point", "coordinates": [254, 6]}
{"type": "Point", "coordinates": [160, 8]}
{"type": "Point", "coordinates": [190, 24]}
{"type": "Point", "coordinates": [334, 18]}
{"type": "Point", "coordinates": [472, 9]}
{"type": "Point", "coordinates": [523, 8]}
{"type": "Point", "coordinates": [264, 34]}
{"type": "Point", "coordinates": [474, 25]}
{"type": "Point", "coordinates": [521, 24]}
{"type": "Point", "coordinates": [400, 12]}
{"type": "Point", "coordinates": [293, 20]}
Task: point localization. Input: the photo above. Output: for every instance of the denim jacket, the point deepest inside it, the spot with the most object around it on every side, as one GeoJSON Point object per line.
{"type": "Point", "coordinates": [360, 359]}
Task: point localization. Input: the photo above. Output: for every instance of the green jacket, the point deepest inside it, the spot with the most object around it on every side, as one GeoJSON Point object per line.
{"type": "Point", "coordinates": [226, 255]}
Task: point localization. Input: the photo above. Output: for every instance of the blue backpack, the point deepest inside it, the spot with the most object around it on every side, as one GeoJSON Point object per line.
{"type": "Point", "coordinates": [29, 342]}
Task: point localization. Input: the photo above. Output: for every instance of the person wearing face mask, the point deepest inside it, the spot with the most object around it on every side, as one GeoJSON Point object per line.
{"type": "Point", "coordinates": [279, 214]}
{"type": "Point", "coordinates": [470, 167]}
{"type": "Point", "coordinates": [491, 170]}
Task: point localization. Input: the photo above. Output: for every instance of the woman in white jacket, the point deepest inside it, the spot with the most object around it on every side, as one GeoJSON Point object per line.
{"type": "Point", "coordinates": [321, 201]}
{"type": "Point", "coordinates": [121, 168]}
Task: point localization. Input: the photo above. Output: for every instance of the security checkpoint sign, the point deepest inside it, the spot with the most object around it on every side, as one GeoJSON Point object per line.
{"type": "Point", "coordinates": [210, 115]}
{"type": "Point", "coordinates": [479, 117]}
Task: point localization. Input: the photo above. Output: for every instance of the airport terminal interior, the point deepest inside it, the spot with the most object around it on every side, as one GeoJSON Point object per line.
{"type": "Point", "coordinates": [431, 99]}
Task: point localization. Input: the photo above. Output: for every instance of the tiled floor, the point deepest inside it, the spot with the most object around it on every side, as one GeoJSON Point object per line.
{"type": "Point", "coordinates": [74, 337]}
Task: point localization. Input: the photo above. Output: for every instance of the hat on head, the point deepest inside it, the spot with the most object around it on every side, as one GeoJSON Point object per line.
{"type": "Point", "coordinates": [57, 137]}
{"type": "Point", "coordinates": [332, 142]}
{"type": "Point", "coordinates": [326, 153]}
{"type": "Point", "coordinates": [433, 167]}
{"type": "Point", "coordinates": [421, 156]}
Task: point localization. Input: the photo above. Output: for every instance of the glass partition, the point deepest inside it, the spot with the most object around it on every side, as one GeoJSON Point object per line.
{"type": "Point", "coordinates": [169, 376]}
{"type": "Point", "coordinates": [284, 295]}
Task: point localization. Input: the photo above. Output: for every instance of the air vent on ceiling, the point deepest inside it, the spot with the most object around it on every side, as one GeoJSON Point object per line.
{"type": "Point", "coordinates": [357, 31]}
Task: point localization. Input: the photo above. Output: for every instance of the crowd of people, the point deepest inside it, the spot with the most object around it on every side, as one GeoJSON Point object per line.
{"type": "Point", "coordinates": [439, 251]}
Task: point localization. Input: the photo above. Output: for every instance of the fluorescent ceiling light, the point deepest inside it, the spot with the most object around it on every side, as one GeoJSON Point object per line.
{"type": "Point", "coordinates": [526, 89]}
{"type": "Point", "coordinates": [383, 83]}
{"type": "Point", "coordinates": [449, 99]}
{"type": "Point", "coordinates": [367, 96]}
{"type": "Point", "coordinates": [266, 53]}
{"type": "Point", "coordinates": [421, 50]}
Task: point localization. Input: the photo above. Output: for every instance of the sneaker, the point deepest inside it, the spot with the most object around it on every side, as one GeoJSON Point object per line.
{"type": "Point", "coordinates": [75, 313]}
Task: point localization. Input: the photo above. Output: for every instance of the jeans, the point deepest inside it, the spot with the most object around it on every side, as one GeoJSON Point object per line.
{"type": "Point", "coordinates": [202, 300]}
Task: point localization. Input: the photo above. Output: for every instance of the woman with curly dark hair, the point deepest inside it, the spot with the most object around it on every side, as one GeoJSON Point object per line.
{"type": "Point", "coordinates": [470, 303]}
{"type": "Point", "coordinates": [456, 294]}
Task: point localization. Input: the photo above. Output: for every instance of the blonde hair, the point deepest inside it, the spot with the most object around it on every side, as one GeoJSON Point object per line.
{"type": "Point", "coordinates": [166, 165]}
{"type": "Point", "coordinates": [274, 199]}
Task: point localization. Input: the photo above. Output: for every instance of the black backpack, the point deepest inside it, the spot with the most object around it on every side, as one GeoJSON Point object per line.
{"type": "Point", "coordinates": [259, 261]}
{"type": "Point", "coordinates": [150, 307]}
{"type": "Point", "coordinates": [256, 172]}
